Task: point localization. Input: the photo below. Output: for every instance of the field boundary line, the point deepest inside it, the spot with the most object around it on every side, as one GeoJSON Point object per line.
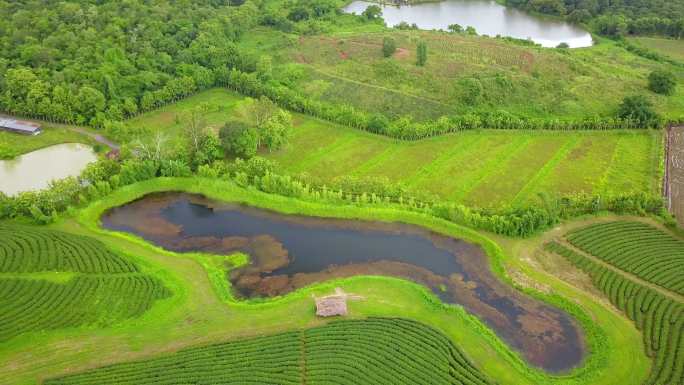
{"type": "Point", "coordinates": [675, 296]}
{"type": "Point", "coordinates": [513, 148]}
{"type": "Point", "coordinates": [373, 162]}
{"type": "Point", "coordinates": [544, 171]}
{"type": "Point", "coordinates": [322, 152]}
{"type": "Point", "coordinates": [377, 87]}
{"type": "Point", "coordinates": [430, 169]}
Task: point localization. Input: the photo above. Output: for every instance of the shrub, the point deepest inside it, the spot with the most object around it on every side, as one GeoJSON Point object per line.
{"type": "Point", "coordinates": [239, 139]}
{"type": "Point", "coordinates": [389, 47]}
{"type": "Point", "coordinates": [421, 53]}
{"type": "Point", "coordinates": [662, 82]}
{"type": "Point", "coordinates": [638, 108]}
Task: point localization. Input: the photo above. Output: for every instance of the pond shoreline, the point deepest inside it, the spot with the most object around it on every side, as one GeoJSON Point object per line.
{"type": "Point", "coordinates": [206, 244]}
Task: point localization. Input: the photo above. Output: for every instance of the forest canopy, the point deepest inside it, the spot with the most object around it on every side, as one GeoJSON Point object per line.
{"type": "Point", "coordinates": [616, 18]}
{"type": "Point", "coordinates": [86, 62]}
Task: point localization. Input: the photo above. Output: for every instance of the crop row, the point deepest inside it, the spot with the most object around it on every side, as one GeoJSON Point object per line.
{"type": "Point", "coordinates": [637, 248]}
{"type": "Point", "coordinates": [660, 318]}
{"type": "Point", "coordinates": [29, 249]}
{"type": "Point", "coordinates": [376, 350]}
{"type": "Point", "coordinates": [103, 287]}
{"type": "Point", "coordinates": [34, 305]}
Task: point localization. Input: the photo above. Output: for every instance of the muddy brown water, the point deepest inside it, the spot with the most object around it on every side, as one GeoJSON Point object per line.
{"type": "Point", "coordinates": [288, 252]}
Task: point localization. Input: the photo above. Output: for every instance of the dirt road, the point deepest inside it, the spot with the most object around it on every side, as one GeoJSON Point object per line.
{"type": "Point", "coordinates": [674, 177]}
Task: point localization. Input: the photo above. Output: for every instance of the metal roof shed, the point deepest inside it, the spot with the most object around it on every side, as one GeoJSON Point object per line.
{"type": "Point", "coordinates": [27, 128]}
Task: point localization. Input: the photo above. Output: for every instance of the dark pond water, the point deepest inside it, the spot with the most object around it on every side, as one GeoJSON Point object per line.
{"type": "Point", "coordinates": [486, 16]}
{"type": "Point", "coordinates": [288, 252]}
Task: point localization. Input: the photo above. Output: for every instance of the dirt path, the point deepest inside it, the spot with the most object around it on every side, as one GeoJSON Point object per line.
{"type": "Point", "coordinates": [674, 174]}
{"type": "Point", "coordinates": [96, 137]}
{"type": "Point", "coordinates": [659, 289]}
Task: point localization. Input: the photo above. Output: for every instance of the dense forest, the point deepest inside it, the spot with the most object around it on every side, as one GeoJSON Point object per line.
{"type": "Point", "coordinates": [99, 62]}
{"type": "Point", "coordinates": [616, 18]}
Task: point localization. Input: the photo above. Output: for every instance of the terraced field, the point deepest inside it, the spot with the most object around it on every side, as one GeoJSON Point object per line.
{"type": "Point", "coordinates": [51, 280]}
{"type": "Point", "coordinates": [483, 168]}
{"type": "Point", "coordinates": [657, 312]}
{"type": "Point", "coordinates": [376, 350]}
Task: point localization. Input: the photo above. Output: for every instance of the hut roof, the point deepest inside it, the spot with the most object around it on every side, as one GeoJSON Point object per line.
{"type": "Point", "coordinates": [331, 305]}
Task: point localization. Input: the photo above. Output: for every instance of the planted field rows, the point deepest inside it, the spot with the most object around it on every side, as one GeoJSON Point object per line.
{"type": "Point", "coordinates": [651, 256]}
{"type": "Point", "coordinates": [376, 350]}
{"type": "Point", "coordinates": [51, 280]}
{"type": "Point", "coordinates": [637, 248]}
{"type": "Point", "coordinates": [484, 168]}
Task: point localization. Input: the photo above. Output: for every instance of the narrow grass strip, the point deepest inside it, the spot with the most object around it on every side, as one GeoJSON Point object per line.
{"type": "Point", "coordinates": [493, 165]}
{"type": "Point", "coordinates": [436, 167]}
{"type": "Point", "coordinates": [321, 153]}
{"type": "Point", "coordinates": [377, 160]}
{"type": "Point", "coordinates": [541, 175]}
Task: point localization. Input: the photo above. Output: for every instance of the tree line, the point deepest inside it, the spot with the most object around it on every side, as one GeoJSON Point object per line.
{"type": "Point", "coordinates": [98, 64]}
{"type": "Point", "coordinates": [616, 18]}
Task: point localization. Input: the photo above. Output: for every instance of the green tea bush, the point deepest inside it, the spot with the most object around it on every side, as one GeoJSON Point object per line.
{"type": "Point", "coordinates": [659, 317]}
{"type": "Point", "coordinates": [637, 248]}
{"type": "Point", "coordinates": [370, 351]}
{"type": "Point", "coordinates": [101, 287]}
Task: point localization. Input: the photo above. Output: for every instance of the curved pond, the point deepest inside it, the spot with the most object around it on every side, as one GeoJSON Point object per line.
{"type": "Point", "coordinates": [35, 170]}
{"type": "Point", "coordinates": [486, 16]}
{"type": "Point", "coordinates": [288, 252]}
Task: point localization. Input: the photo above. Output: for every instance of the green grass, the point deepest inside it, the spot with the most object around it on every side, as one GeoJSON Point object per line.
{"type": "Point", "coordinates": [202, 310]}
{"type": "Point", "coordinates": [668, 47]}
{"type": "Point", "coordinates": [373, 351]}
{"type": "Point", "coordinates": [171, 118]}
{"type": "Point", "coordinates": [12, 144]}
{"type": "Point", "coordinates": [482, 168]}
{"type": "Point", "coordinates": [348, 68]}
{"type": "Point", "coordinates": [52, 280]}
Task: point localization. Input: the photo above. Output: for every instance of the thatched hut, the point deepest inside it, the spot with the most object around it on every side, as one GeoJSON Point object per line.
{"type": "Point", "coordinates": [331, 306]}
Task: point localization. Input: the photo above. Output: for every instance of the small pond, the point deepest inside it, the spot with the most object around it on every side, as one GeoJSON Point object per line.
{"type": "Point", "coordinates": [35, 170]}
{"type": "Point", "coordinates": [486, 16]}
{"type": "Point", "coordinates": [288, 252]}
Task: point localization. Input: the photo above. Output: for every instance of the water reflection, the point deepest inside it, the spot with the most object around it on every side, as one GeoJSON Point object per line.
{"type": "Point", "coordinates": [487, 17]}
{"type": "Point", "coordinates": [289, 252]}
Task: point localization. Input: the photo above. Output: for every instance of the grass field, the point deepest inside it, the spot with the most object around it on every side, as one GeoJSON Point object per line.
{"type": "Point", "coordinates": [668, 47]}
{"type": "Point", "coordinates": [483, 168]}
{"type": "Point", "coordinates": [12, 145]}
{"type": "Point", "coordinates": [627, 261]}
{"type": "Point", "coordinates": [463, 73]}
{"type": "Point", "coordinates": [377, 350]}
{"type": "Point", "coordinates": [202, 312]}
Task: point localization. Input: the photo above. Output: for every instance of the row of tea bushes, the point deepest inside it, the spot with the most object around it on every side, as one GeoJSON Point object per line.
{"type": "Point", "coordinates": [371, 351]}
{"type": "Point", "coordinates": [659, 317]}
{"type": "Point", "coordinates": [52, 280]}
{"type": "Point", "coordinates": [637, 248]}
